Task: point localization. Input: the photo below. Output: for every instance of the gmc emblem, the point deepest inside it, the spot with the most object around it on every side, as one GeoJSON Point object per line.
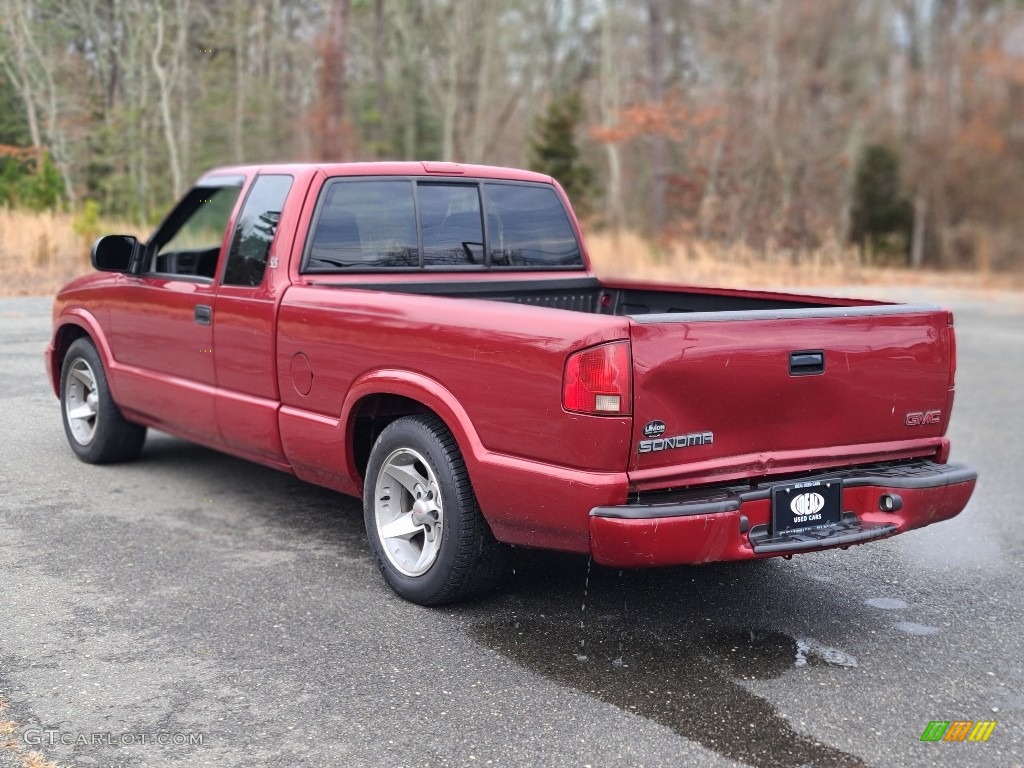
{"type": "Point", "coordinates": [920, 418]}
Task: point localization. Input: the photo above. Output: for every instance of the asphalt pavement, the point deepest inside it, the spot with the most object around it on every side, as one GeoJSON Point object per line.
{"type": "Point", "coordinates": [192, 609]}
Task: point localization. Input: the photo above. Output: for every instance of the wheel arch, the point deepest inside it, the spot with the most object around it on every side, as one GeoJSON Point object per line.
{"type": "Point", "coordinates": [381, 397]}
{"type": "Point", "coordinates": [73, 325]}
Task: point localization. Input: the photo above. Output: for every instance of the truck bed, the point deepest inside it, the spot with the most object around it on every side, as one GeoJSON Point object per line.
{"type": "Point", "coordinates": [596, 296]}
{"type": "Point", "coordinates": [770, 382]}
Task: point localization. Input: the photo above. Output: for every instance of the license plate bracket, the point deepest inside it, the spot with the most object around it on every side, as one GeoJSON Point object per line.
{"type": "Point", "coordinates": [806, 506]}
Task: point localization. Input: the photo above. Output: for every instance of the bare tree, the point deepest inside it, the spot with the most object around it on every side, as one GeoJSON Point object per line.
{"type": "Point", "coordinates": [164, 85]}
{"type": "Point", "coordinates": [656, 96]}
{"type": "Point", "coordinates": [610, 105]}
{"type": "Point", "coordinates": [18, 66]}
{"type": "Point", "coordinates": [330, 129]}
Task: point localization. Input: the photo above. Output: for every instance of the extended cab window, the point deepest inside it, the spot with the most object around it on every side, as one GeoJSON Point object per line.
{"type": "Point", "coordinates": [257, 223]}
{"type": "Point", "coordinates": [189, 241]}
{"type": "Point", "coordinates": [365, 224]}
{"type": "Point", "coordinates": [527, 227]}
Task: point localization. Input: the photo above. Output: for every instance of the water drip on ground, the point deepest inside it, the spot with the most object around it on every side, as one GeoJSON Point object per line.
{"type": "Point", "coordinates": [581, 655]}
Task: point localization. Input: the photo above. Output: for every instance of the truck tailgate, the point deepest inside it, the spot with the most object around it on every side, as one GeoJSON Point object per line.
{"type": "Point", "coordinates": [721, 395]}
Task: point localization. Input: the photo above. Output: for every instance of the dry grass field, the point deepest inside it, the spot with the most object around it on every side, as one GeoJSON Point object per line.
{"type": "Point", "coordinates": [739, 266]}
{"type": "Point", "coordinates": [39, 252]}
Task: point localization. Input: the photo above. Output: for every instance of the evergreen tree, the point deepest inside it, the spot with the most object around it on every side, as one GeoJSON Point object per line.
{"type": "Point", "coordinates": [13, 122]}
{"type": "Point", "coordinates": [26, 178]}
{"type": "Point", "coordinates": [881, 216]}
{"type": "Point", "coordinates": [553, 150]}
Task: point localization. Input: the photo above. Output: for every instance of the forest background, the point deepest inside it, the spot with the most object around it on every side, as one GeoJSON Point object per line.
{"type": "Point", "coordinates": [789, 139]}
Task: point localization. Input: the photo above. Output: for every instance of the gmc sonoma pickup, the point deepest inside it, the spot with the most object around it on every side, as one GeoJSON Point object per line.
{"type": "Point", "coordinates": [430, 337]}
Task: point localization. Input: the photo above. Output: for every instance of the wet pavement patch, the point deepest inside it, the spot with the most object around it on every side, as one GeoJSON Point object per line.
{"type": "Point", "coordinates": [910, 628]}
{"type": "Point", "coordinates": [691, 686]}
{"type": "Point", "coordinates": [810, 652]}
{"type": "Point", "coordinates": [886, 603]}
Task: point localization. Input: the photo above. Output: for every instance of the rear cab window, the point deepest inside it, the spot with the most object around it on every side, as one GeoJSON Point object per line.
{"type": "Point", "coordinates": [409, 224]}
{"type": "Point", "coordinates": [450, 221]}
{"type": "Point", "coordinates": [364, 224]}
{"type": "Point", "coordinates": [528, 227]}
{"type": "Point", "coordinates": [255, 230]}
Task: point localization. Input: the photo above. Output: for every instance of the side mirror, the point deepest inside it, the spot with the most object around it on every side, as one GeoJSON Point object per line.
{"type": "Point", "coordinates": [114, 253]}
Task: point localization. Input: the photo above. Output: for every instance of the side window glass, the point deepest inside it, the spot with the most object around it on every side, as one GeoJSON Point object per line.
{"type": "Point", "coordinates": [190, 241]}
{"type": "Point", "coordinates": [254, 232]}
{"type": "Point", "coordinates": [452, 230]}
{"type": "Point", "coordinates": [365, 224]}
{"type": "Point", "coordinates": [528, 227]}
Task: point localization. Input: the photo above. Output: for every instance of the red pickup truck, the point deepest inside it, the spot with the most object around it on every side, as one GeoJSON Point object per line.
{"type": "Point", "coordinates": [430, 337]}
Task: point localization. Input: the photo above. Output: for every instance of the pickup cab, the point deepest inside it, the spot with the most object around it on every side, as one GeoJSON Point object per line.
{"type": "Point", "coordinates": [431, 337]}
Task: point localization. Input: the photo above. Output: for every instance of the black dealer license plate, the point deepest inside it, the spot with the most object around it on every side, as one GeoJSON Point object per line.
{"type": "Point", "coordinates": [806, 506]}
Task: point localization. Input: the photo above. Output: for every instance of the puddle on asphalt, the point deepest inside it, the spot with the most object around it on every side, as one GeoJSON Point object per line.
{"type": "Point", "coordinates": [691, 687]}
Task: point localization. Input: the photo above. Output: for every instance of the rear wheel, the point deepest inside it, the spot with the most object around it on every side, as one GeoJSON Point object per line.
{"type": "Point", "coordinates": [423, 522]}
{"type": "Point", "coordinates": [95, 428]}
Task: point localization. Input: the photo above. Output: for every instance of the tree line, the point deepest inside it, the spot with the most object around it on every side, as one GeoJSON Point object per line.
{"type": "Point", "coordinates": [897, 124]}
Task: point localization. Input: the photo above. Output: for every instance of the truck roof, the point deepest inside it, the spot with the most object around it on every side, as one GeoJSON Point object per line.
{"type": "Point", "coordinates": [391, 168]}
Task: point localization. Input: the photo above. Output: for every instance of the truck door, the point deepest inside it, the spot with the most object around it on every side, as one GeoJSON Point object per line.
{"type": "Point", "coordinates": [161, 319]}
{"type": "Point", "coordinates": [244, 345]}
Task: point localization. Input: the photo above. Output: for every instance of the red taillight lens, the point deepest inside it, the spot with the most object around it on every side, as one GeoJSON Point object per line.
{"type": "Point", "coordinates": [597, 380]}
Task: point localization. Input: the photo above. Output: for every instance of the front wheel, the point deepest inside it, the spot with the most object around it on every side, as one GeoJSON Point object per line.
{"type": "Point", "coordinates": [423, 522]}
{"type": "Point", "coordinates": [96, 430]}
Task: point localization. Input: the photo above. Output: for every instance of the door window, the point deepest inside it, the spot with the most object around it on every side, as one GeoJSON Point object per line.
{"type": "Point", "coordinates": [190, 239]}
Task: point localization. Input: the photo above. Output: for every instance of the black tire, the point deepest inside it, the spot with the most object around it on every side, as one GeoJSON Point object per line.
{"type": "Point", "coordinates": [106, 437]}
{"type": "Point", "coordinates": [468, 561]}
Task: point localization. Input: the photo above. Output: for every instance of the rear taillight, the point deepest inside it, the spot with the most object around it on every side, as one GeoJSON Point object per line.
{"type": "Point", "coordinates": [597, 380]}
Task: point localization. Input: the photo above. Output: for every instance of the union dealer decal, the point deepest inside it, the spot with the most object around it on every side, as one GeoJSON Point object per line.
{"type": "Point", "coordinates": [654, 428]}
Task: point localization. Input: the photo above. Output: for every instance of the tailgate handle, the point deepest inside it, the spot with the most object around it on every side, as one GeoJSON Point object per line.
{"type": "Point", "coordinates": [807, 363]}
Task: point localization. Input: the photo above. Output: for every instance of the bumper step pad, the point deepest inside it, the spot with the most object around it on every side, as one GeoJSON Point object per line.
{"type": "Point", "coordinates": [850, 531]}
